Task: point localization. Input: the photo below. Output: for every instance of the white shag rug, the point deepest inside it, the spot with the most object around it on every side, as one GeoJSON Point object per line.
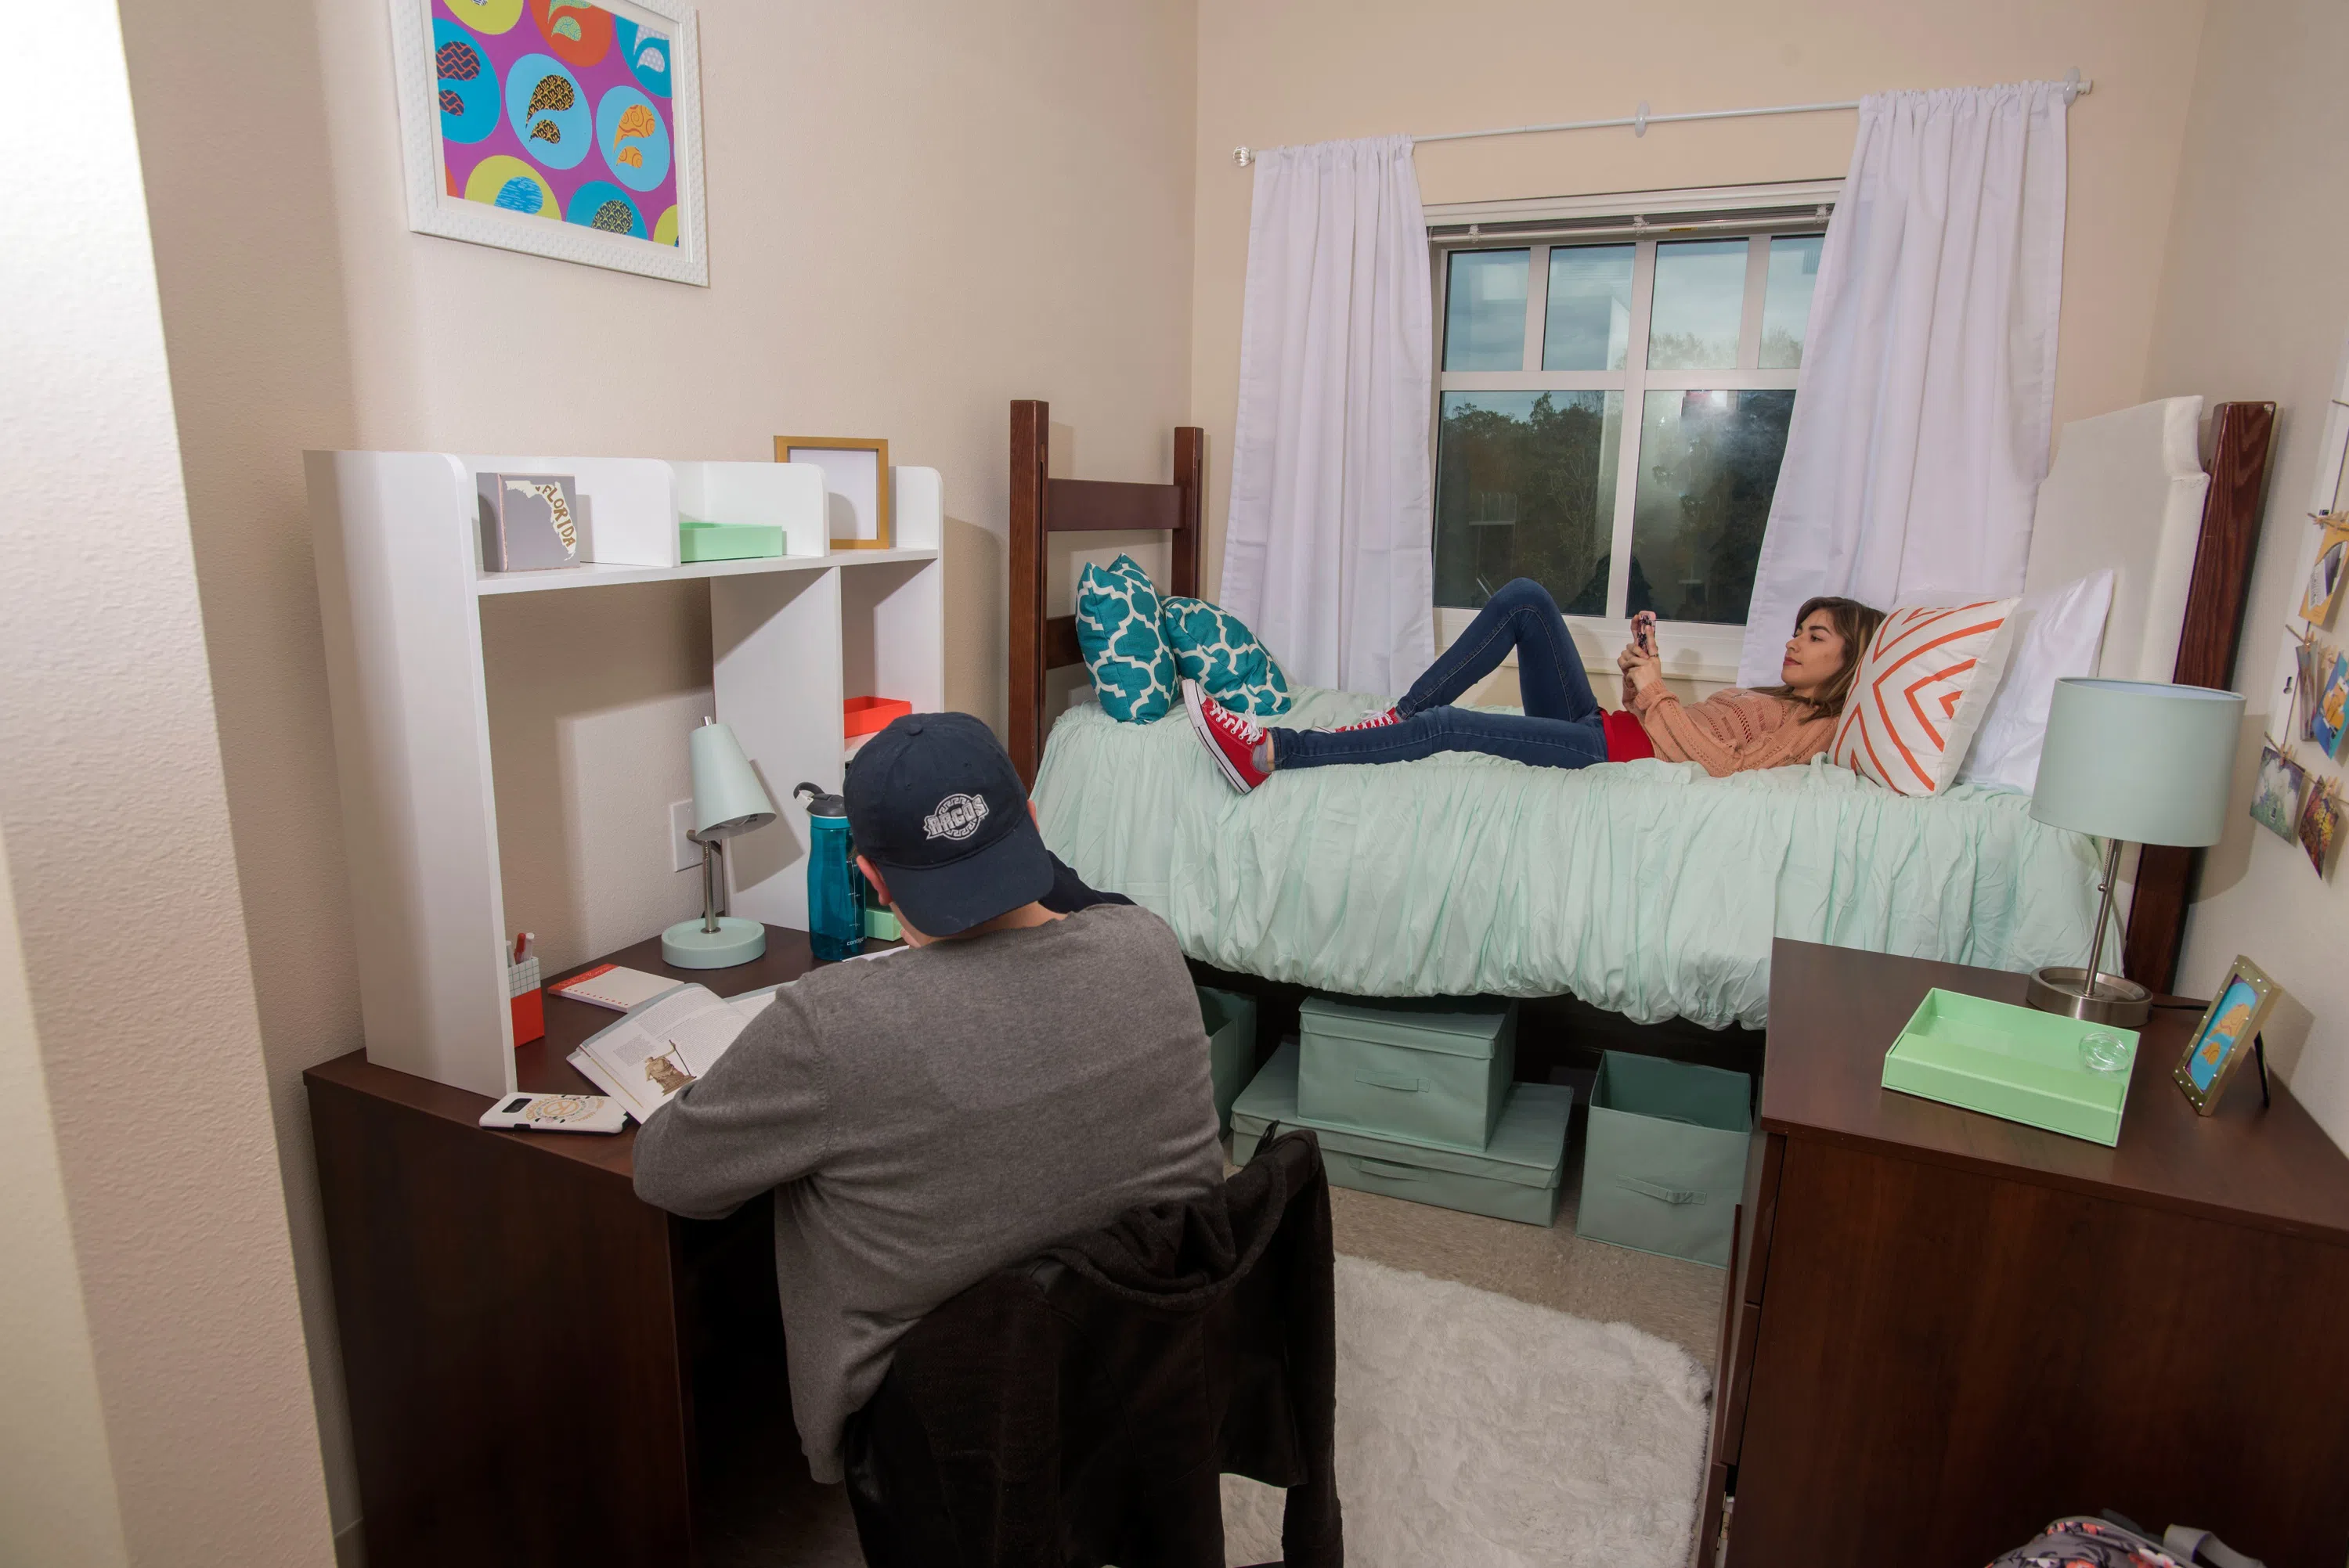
{"type": "Point", "coordinates": [1478, 1431]}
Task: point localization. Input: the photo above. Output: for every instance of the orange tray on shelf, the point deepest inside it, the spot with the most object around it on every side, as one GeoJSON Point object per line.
{"type": "Point", "coordinates": [870, 715]}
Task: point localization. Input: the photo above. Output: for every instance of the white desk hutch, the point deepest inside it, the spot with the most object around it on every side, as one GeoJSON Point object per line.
{"type": "Point", "coordinates": [399, 589]}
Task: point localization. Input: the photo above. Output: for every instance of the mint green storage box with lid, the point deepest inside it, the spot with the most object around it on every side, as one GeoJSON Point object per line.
{"type": "Point", "coordinates": [1515, 1177]}
{"type": "Point", "coordinates": [1229, 1019]}
{"type": "Point", "coordinates": [1663, 1156]}
{"type": "Point", "coordinates": [1436, 1071]}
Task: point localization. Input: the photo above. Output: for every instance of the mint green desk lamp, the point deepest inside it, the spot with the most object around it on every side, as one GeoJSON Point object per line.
{"type": "Point", "coordinates": [2136, 762]}
{"type": "Point", "coordinates": [728, 799]}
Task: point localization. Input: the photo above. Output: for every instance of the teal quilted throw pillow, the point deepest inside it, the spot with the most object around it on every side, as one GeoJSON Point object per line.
{"type": "Point", "coordinates": [1216, 648]}
{"type": "Point", "coordinates": [1117, 629]}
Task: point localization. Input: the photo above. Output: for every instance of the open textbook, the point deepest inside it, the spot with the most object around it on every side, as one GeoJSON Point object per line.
{"type": "Point", "coordinates": [663, 1045]}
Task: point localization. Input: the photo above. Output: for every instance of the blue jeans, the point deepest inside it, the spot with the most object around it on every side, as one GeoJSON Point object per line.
{"type": "Point", "coordinates": [1560, 728]}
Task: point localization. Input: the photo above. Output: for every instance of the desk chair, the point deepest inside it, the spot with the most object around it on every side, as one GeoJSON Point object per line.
{"type": "Point", "coordinates": [1078, 1409]}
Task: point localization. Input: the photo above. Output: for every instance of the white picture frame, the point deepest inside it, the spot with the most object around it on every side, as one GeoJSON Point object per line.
{"type": "Point", "coordinates": [432, 210]}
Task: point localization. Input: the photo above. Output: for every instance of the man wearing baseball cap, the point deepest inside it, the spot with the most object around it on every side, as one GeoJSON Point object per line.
{"type": "Point", "coordinates": [1020, 1077]}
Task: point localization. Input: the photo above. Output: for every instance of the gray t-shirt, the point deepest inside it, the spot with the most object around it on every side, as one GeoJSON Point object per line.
{"type": "Point", "coordinates": [931, 1116]}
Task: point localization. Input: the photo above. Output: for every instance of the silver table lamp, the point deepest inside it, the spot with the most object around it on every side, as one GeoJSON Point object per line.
{"type": "Point", "coordinates": [728, 799]}
{"type": "Point", "coordinates": [2129, 762]}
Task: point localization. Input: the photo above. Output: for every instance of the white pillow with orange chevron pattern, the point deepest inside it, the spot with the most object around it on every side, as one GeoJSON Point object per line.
{"type": "Point", "coordinates": [1922, 691]}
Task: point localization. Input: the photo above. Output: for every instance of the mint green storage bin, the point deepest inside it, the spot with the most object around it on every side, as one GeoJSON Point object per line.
{"type": "Point", "coordinates": [1517, 1177]}
{"type": "Point", "coordinates": [699, 541]}
{"type": "Point", "coordinates": [1229, 1019]}
{"type": "Point", "coordinates": [1663, 1159]}
{"type": "Point", "coordinates": [1435, 1071]}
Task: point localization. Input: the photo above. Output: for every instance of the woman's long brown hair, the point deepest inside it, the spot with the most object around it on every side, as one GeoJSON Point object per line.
{"type": "Point", "coordinates": [1855, 624]}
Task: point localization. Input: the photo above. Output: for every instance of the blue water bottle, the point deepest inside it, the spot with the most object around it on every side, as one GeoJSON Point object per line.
{"type": "Point", "coordinates": [835, 887]}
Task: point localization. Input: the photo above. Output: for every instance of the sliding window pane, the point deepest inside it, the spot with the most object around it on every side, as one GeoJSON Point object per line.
{"type": "Point", "coordinates": [1485, 310]}
{"type": "Point", "coordinates": [1700, 302]}
{"type": "Point", "coordinates": [1588, 323]}
{"type": "Point", "coordinates": [1708, 466]}
{"type": "Point", "coordinates": [1524, 487]}
{"type": "Point", "coordinates": [1787, 302]}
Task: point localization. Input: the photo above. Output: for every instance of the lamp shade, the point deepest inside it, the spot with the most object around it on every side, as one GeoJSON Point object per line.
{"type": "Point", "coordinates": [2139, 761]}
{"type": "Point", "coordinates": [727, 797]}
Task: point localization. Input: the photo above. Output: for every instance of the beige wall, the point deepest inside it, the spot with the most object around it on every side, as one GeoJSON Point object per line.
{"type": "Point", "coordinates": [57, 1502]}
{"type": "Point", "coordinates": [1314, 70]}
{"type": "Point", "coordinates": [917, 212]}
{"type": "Point", "coordinates": [135, 979]}
{"type": "Point", "coordinates": [2254, 301]}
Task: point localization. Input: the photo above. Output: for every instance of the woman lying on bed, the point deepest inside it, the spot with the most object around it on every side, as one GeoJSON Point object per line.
{"type": "Point", "coordinates": [1563, 726]}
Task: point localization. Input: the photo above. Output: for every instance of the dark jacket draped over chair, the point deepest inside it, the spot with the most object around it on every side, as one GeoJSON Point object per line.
{"type": "Point", "coordinates": [1078, 1410]}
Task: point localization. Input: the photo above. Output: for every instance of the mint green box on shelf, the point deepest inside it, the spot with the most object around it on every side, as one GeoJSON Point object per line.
{"type": "Point", "coordinates": [1436, 1071]}
{"type": "Point", "coordinates": [2018, 1064]}
{"type": "Point", "coordinates": [1663, 1159]}
{"type": "Point", "coordinates": [1517, 1177]}
{"type": "Point", "coordinates": [1229, 1019]}
{"type": "Point", "coordinates": [699, 541]}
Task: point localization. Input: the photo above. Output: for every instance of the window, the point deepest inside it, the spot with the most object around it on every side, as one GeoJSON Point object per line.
{"type": "Point", "coordinates": [1613, 408]}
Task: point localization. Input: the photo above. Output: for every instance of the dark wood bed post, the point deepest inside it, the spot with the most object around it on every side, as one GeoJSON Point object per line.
{"type": "Point", "coordinates": [2215, 603]}
{"type": "Point", "coordinates": [1031, 438]}
{"type": "Point", "coordinates": [1039, 505]}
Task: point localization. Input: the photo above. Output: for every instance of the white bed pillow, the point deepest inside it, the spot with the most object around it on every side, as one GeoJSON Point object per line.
{"type": "Point", "coordinates": [2059, 631]}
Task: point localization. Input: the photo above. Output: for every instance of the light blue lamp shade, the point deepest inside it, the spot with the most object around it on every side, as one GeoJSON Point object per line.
{"type": "Point", "coordinates": [2137, 762]}
{"type": "Point", "coordinates": [727, 796]}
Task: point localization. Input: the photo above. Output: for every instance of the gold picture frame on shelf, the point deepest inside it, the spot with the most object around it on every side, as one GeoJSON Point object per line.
{"type": "Point", "coordinates": [2225, 1035]}
{"type": "Point", "coordinates": [859, 511]}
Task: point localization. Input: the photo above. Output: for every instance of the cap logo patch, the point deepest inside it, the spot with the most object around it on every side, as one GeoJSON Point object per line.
{"type": "Point", "coordinates": [957, 817]}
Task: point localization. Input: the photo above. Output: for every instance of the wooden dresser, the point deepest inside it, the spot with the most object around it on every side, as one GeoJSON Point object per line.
{"type": "Point", "coordinates": [1944, 1330]}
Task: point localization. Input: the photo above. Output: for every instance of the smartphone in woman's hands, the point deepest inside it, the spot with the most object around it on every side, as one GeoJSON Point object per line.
{"type": "Point", "coordinates": [1643, 633]}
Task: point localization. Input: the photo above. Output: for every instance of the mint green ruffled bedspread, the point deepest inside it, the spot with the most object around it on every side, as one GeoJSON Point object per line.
{"type": "Point", "coordinates": [1645, 888]}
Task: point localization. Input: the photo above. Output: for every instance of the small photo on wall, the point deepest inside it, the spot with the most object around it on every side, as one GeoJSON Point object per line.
{"type": "Point", "coordinates": [2320, 829]}
{"type": "Point", "coordinates": [2275, 800]}
{"type": "Point", "coordinates": [2307, 676]}
{"type": "Point", "coordinates": [2326, 578]}
{"type": "Point", "coordinates": [2328, 703]}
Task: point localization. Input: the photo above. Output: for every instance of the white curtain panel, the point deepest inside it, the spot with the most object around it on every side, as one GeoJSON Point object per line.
{"type": "Point", "coordinates": [1921, 426]}
{"type": "Point", "coordinates": [1327, 554]}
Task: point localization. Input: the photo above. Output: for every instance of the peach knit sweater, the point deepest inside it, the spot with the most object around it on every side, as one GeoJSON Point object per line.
{"type": "Point", "coordinates": [1731, 731]}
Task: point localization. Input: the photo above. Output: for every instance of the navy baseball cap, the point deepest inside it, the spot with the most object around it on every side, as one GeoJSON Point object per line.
{"type": "Point", "coordinates": [935, 802]}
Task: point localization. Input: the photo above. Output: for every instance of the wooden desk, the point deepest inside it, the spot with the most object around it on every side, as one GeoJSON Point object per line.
{"type": "Point", "coordinates": [541, 1368]}
{"type": "Point", "coordinates": [1945, 1330]}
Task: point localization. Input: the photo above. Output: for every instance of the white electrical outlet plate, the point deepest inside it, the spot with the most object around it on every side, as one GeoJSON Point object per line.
{"type": "Point", "coordinates": [684, 854]}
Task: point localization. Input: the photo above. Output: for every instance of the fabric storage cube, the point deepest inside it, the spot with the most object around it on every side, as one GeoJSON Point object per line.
{"type": "Point", "coordinates": [1435, 1071]}
{"type": "Point", "coordinates": [1663, 1159]}
{"type": "Point", "coordinates": [1229, 1019]}
{"type": "Point", "coordinates": [1514, 1178]}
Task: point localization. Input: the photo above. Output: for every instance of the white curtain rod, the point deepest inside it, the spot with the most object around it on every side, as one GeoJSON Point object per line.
{"type": "Point", "coordinates": [2074, 83]}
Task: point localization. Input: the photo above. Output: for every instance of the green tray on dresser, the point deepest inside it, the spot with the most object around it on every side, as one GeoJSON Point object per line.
{"type": "Point", "coordinates": [2014, 1063]}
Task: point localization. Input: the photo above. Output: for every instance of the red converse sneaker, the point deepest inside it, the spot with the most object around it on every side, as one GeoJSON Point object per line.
{"type": "Point", "coordinates": [1230, 739]}
{"type": "Point", "coordinates": [1377, 720]}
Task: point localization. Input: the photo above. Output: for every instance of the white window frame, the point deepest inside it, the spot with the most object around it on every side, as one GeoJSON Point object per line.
{"type": "Point", "coordinates": [1697, 651]}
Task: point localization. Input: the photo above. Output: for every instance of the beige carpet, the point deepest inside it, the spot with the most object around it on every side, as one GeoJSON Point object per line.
{"type": "Point", "coordinates": [1554, 1268]}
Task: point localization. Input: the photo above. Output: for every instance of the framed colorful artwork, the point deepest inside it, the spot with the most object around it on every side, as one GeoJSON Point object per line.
{"type": "Point", "coordinates": [562, 128]}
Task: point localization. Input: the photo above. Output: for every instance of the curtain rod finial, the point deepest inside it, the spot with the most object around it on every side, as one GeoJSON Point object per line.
{"type": "Point", "coordinates": [1639, 119]}
{"type": "Point", "coordinates": [1243, 156]}
{"type": "Point", "coordinates": [2073, 85]}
